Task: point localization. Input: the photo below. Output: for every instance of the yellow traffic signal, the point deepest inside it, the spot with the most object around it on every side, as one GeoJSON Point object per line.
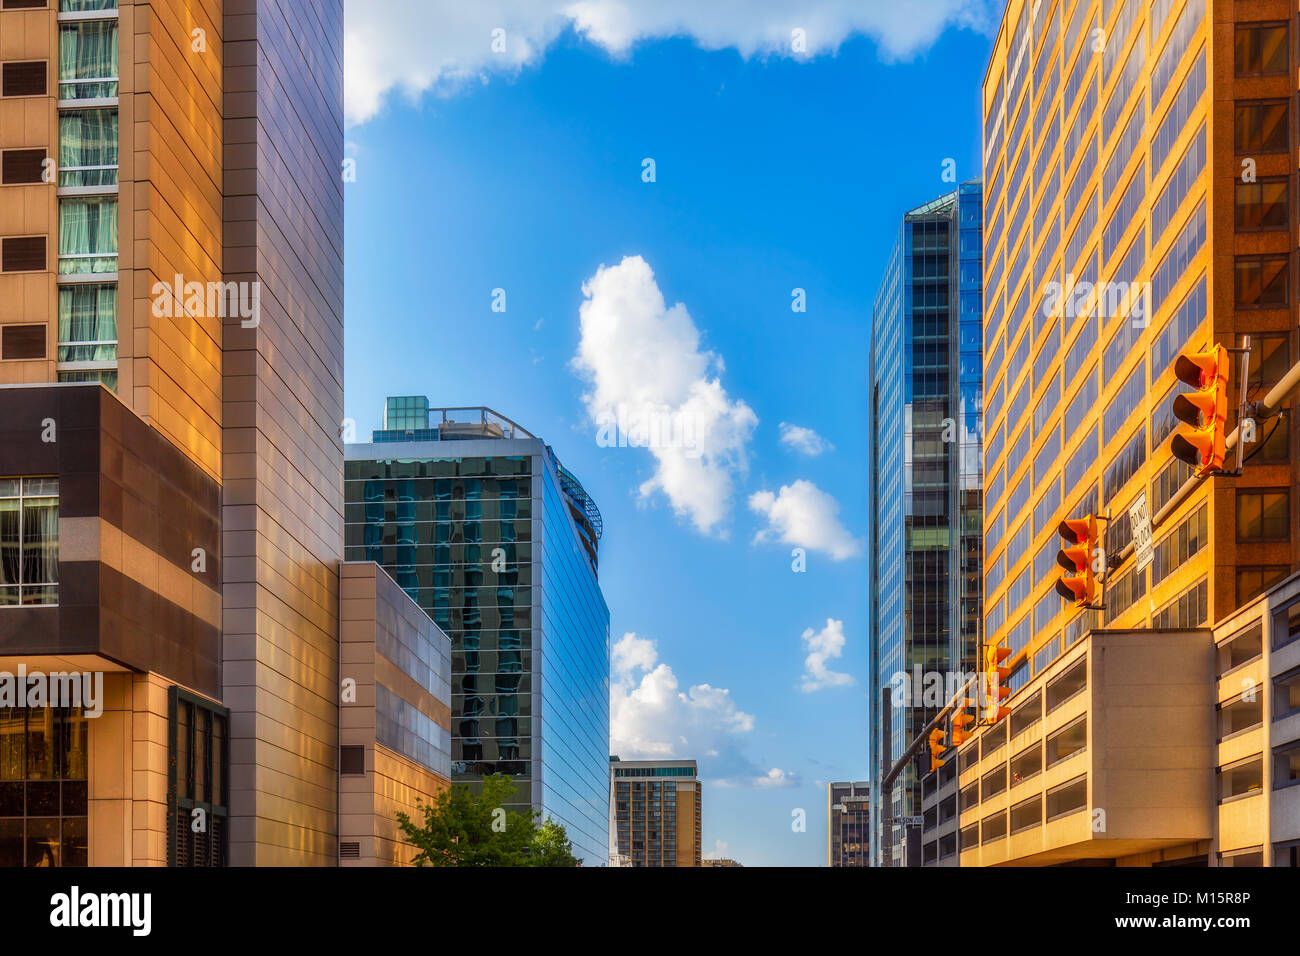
{"type": "Point", "coordinates": [994, 676]}
{"type": "Point", "coordinates": [1206, 409]}
{"type": "Point", "coordinates": [960, 721]}
{"type": "Point", "coordinates": [937, 747]}
{"type": "Point", "coordinates": [1080, 536]}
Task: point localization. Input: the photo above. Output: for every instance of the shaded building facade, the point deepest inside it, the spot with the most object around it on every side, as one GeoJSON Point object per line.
{"type": "Point", "coordinates": [848, 824]}
{"type": "Point", "coordinates": [488, 532]}
{"type": "Point", "coordinates": [926, 479]}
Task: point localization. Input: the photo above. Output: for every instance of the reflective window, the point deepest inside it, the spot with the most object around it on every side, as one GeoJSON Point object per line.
{"type": "Point", "coordinates": [29, 541]}
{"type": "Point", "coordinates": [43, 789]}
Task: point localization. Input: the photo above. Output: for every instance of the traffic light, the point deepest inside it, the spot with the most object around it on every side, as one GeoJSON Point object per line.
{"type": "Point", "coordinates": [937, 747]}
{"type": "Point", "coordinates": [960, 721]}
{"type": "Point", "coordinates": [994, 675]}
{"type": "Point", "coordinates": [1206, 409]}
{"type": "Point", "coordinates": [1080, 536]}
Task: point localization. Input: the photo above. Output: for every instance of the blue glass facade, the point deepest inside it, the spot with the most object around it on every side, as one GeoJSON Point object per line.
{"type": "Point", "coordinates": [483, 535]}
{"type": "Point", "coordinates": [926, 474]}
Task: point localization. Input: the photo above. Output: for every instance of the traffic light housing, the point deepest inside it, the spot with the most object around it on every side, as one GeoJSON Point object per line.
{"type": "Point", "coordinates": [937, 747]}
{"type": "Point", "coordinates": [1079, 584]}
{"type": "Point", "coordinates": [960, 721]}
{"type": "Point", "coordinates": [1205, 409]}
{"type": "Point", "coordinates": [994, 676]}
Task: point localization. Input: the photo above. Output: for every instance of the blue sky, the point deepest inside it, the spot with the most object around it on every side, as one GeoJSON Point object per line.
{"type": "Point", "coordinates": [772, 173]}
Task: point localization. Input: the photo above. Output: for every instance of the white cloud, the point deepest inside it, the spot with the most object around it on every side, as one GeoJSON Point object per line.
{"type": "Point", "coordinates": [651, 718]}
{"type": "Point", "coordinates": [650, 378]}
{"type": "Point", "coordinates": [803, 515]}
{"type": "Point", "coordinates": [418, 46]}
{"type": "Point", "coordinates": [719, 851]}
{"type": "Point", "coordinates": [823, 646]}
{"type": "Point", "coordinates": [776, 778]}
{"type": "Point", "coordinates": [804, 440]}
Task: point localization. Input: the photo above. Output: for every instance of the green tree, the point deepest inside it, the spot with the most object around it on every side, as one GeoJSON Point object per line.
{"type": "Point", "coordinates": [466, 828]}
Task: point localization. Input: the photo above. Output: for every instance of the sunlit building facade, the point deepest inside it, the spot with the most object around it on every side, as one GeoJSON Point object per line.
{"type": "Point", "coordinates": [480, 523]}
{"type": "Point", "coordinates": [926, 405]}
{"type": "Point", "coordinates": [1139, 170]}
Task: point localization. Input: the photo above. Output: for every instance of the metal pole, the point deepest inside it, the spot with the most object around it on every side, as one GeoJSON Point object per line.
{"type": "Point", "coordinates": [886, 783]}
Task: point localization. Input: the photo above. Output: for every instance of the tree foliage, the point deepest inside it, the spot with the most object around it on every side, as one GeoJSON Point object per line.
{"type": "Point", "coordinates": [467, 827]}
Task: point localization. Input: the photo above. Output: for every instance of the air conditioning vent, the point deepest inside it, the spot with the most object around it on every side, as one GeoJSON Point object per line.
{"type": "Point", "coordinates": [349, 850]}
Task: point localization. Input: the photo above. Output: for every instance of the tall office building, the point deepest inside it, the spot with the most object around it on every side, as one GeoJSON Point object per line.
{"type": "Point", "coordinates": [656, 808]}
{"type": "Point", "coordinates": [848, 824]}
{"type": "Point", "coordinates": [498, 542]}
{"type": "Point", "coordinates": [926, 402]}
{"type": "Point", "coordinates": [171, 481]}
{"type": "Point", "coordinates": [1139, 170]}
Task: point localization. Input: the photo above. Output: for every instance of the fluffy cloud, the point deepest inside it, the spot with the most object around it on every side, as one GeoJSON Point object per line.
{"type": "Point", "coordinates": [803, 440]}
{"type": "Point", "coordinates": [803, 515]}
{"type": "Point", "coordinates": [650, 717]}
{"type": "Point", "coordinates": [823, 646]}
{"type": "Point", "coordinates": [652, 386]}
{"type": "Point", "coordinates": [418, 46]}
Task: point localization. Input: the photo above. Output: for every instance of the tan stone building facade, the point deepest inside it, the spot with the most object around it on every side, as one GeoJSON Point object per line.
{"type": "Point", "coordinates": [171, 374]}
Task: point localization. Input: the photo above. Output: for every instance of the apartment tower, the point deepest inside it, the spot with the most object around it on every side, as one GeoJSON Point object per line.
{"type": "Point", "coordinates": [657, 813]}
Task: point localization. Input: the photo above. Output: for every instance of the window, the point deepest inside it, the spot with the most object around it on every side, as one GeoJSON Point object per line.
{"type": "Point", "coordinates": [1286, 854]}
{"type": "Point", "coordinates": [1240, 715]}
{"type": "Point", "coordinates": [1188, 609]}
{"type": "Point", "coordinates": [1263, 515]}
{"type": "Point", "coordinates": [23, 79]}
{"type": "Point", "coordinates": [1286, 625]}
{"type": "Point", "coordinates": [970, 836]}
{"type": "Point", "coordinates": [1240, 649]}
{"type": "Point", "coordinates": [1261, 205]}
{"type": "Point", "coordinates": [29, 541]}
{"type": "Point", "coordinates": [1069, 740]}
{"type": "Point", "coordinates": [1067, 685]}
{"type": "Point", "coordinates": [1286, 766]}
{"type": "Point", "coordinates": [993, 827]}
{"type": "Point", "coordinates": [1261, 127]}
{"type": "Point", "coordinates": [1026, 764]}
{"type": "Point", "coordinates": [1286, 694]}
{"type": "Point", "coordinates": [88, 60]}
{"type": "Point", "coordinates": [24, 4]}
{"type": "Point", "coordinates": [970, 796]}
{"type": "Point", "coordinates": [1261, 49]}
{"type": "Point", "coordinates": [1251, 857]}
{"type": "Point", "coordinates": [1067, 798]}
{"type": "Point", "coordinates": [1027, 814]}
{"type": "Point", "coordinates": [993, 782]}
{"type": "Point", "coordinates": [88, 148]}
{"type": "Point", "coordinates": [1175, 548]}
{"type": "Point", "coordinates": [22, 254]}
{"type": "Point", "coordinates": [1241, 779]}
{"type": "Point", "coordinates": [88, 327]}
{"type": "Point", "coordinates": [22, 342]}
{"type": "Point", "coordinates": [352, 761]}
{"type": "Point", "coordinates": [43, 787]}
{"type": "Point", "coordinates": [1252, 582]}
{"type": "Point", "coordinates": [1026, 715]}
{"type": "Point", "coordinates": [197, 770]}
{"type": "Point", "coordinates": [21, 166]}
{"type": "Point", "coordinates": [88, 235]}
{"type": "Point", "coordinates": [1261, 281]}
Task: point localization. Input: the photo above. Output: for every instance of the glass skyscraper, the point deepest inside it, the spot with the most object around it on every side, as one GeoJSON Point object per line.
{"type": "Point", "coordinates": [480, 523]}
{"type": "Point", "coordinates": [927, 520]}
